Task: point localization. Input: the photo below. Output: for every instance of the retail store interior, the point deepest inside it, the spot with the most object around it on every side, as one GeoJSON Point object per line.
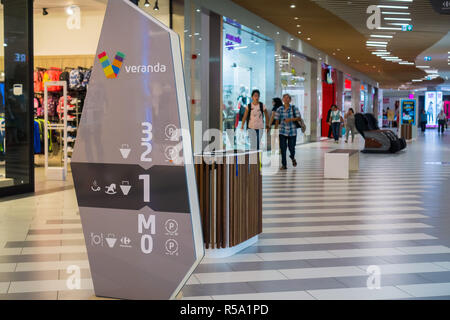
{"type": "Point", "coordinates": [74, 82]}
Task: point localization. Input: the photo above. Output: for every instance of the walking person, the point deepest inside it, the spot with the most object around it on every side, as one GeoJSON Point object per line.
{"type": "Point", "coordinates": [254, 116]}
{"type": "Point", "coordinates": [335, 122]}
{"type": "Point", "coordinates": [350, 124]}
{"type": "Point", "coordinates": [330, 131]}
{"type": "Point", "coordinates": [442, 121]}
{"type": "Point", "coordinates": [423, 120]}
{"type": "Point", "coordinates": [285, 119]}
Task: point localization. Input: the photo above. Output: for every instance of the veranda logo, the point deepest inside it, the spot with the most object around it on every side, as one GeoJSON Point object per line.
{"type": "Point", "coordinates": [112, 70]}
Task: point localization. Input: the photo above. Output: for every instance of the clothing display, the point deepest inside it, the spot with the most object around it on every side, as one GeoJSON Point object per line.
{"type": "Point", "coordinates": [77, 80]}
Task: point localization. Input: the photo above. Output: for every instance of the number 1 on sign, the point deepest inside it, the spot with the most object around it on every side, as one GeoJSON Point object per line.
{"type": "Point", "coordinates": [146, 180]}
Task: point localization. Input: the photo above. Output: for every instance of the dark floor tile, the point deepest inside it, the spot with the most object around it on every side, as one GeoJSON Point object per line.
{"type": "Point", "coordinates": [28, 276]}
{"type": "Point", "coordinates": [29, 258]}
{"type": "Point", "coordinates": [386, 280]}
{"type": "Point", "coordinates": [296, 285]}
{"type": "Point", "coordinates": [73, 256]}
{"type": "Point", "coordinates": [417, 258]}
{"type": "Point", "coordinates": [341, 262]}
{"type": "Point", "coordinates": [63, 221]}
{"type": "Point", "coordinates": [216, 289]}
{"type": "Point", "coordinates": [269, 265]}
{"type": "Point", "coordinates": [213, 267]}
{"type": "Point", "coordinates": [28, 244]}
{"type": "Point", "coordinates": [300, 247]}
{"type": "Point", "coordinates": [30, 296]}
{"type": "Point", "coordinates": [436, 277]}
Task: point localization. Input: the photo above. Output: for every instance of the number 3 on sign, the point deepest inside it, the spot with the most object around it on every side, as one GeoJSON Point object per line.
{"type": "Point", "coordinates": [146, 141]}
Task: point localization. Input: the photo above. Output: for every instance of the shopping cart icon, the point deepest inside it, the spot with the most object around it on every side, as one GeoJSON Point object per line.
{"type": "Point", "coordinates": [125, 151]}
{"type": "Point", "coordinates": [125, 187]}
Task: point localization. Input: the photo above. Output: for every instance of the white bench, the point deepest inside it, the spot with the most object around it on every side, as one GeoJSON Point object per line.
{"type": "Point", "coordinates": [339, 163]}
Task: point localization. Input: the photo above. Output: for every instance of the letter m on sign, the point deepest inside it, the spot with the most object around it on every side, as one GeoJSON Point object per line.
{"type": "Point", "coordinates": [111, 70]}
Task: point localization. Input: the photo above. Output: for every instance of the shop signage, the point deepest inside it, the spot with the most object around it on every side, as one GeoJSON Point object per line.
{"type": "Point", "coordinates": [407, 27]}
{"type": "Point", "coordinates": [441, 6]}
{"type": "Point", "coordinates": [427, 58]}
{"type": "Point", "coordinates": [408, 112]}
{"type": "Point", "coordinates": [137, 197]}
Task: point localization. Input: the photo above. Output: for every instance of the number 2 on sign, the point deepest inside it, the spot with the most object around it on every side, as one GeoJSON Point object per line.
{"type": "Point", "coordinates": [146, 141]}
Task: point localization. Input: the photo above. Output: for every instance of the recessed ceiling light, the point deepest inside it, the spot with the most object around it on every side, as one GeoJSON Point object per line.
{"type": "Point", "coordinates": [393, 7]}
{"type": "Point", "coordinates": [296, 18]}
{"type": "Point", "coordinates": [380, 36]}
{"type": "Point", "coordinates": [292, 6]}
{"type": "Point", "coordinates": [308, 39]}
{"type": "Point", "coordinates": [299, 32]}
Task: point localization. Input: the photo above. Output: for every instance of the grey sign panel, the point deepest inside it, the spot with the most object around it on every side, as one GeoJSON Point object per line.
{"type": "Point", "coordinates": [132, 166]}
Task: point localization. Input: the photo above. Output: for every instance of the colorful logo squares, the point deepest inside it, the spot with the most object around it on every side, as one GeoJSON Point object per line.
{"type": "Point", "coordinates": [111, 70]}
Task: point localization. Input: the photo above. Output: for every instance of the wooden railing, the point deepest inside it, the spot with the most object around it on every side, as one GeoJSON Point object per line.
{"type": "Point", "coordinates": [230, 195]}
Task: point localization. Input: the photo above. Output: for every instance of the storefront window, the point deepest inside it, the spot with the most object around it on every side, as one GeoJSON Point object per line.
{"type": "Point", "coordinates": [16, 167]}
{"type": "Point", "coordinates": [244, 69]}
{"type": "Point", "coordinates": [296, 80]}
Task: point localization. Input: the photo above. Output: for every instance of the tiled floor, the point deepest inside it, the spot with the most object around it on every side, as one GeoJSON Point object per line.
{"type": "Point", "coordinates": [319, 235]}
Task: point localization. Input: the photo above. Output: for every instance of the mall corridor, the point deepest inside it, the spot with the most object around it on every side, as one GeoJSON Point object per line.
{"type": "Point", "coordinates": [319, 235]}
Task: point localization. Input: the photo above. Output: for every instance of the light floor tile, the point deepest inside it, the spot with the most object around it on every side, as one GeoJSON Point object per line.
{"type": "Point", "coordinates": [7, 267]}
{"type": "Point", "coordinates": [443, 264]}
{"type": "Point", "coordinates": [427, 289]}
{"type": "Point", "coordinates": [60, 249]}
{"type": "Point", "coordinates": [4, 287]}
{"type": "Point", "coordinates": [340, 203]}
{"type": "Point", "coordinates": [402, 193]}
{"type": "Point", "coordinates": [193, 280]}
{"type": "Point", "coordinates": [346, 218]}
{"type": "Point", "coordinates": [346, 227]}
{"type": "Point", "coordinates": [284, 295]}
{"type": "Point", "coordinates": [198, 298]}
{"type": "Point", "coordinates": [235, 258]}
{"type": "Point", "coordinates": [404, 268]}
{"type": "Point", "coordinates": [359, 294]}
{"type": "Point", "coordinates": [68, 236]}
{"type": "Point", "coordinates": [240, 276]}
{"type": "Point", "coordinates": [343, 210]}
{"type": "Point", "coordinates": [46, 285]}
{"type": "Point", "coordinates": [10, 251]}
{"type": "Point", "coordinates": [424, 249]}
{"type": "Point", "coordinates": [268, 200]}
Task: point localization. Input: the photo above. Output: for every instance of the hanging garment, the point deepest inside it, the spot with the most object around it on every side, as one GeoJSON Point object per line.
{"type": "Point", "coordinates": [2, 135]}
{"type": "Point", "coordinates": [37, 138]}
{"type": "Point", "coordinates": [38, 81]}
{"type": "Point", "coordinates": [42, 135]}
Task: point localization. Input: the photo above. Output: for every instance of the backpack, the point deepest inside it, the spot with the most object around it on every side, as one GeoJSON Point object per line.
{"type": "Point", "coordinates": [86, 78]}
{"type": "Point", "coordinates": [65, 76]}
{"type": "Point", "coordinates": [261, 107]}
{"type": "Point", "coordinates": [75, 79]}
{"type": "Point", "coordinates": [52, 74]}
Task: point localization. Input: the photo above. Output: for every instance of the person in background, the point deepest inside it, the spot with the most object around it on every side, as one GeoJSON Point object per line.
{"type": "Point", "coordinates": [328, 121]}
{"type": "Point", "coordinates": [442, 121]}
{"type": "Point", "coordinates": [350, 124]}
{"type": "Point", "coordinates": [276, 103]}
{"type": "Point", "coordinates": [254, 116]}
{"type": "Point", "coordinates": [285, 119]}
{"type": "Point", "coordinates": [335, 122]}
{"type": "Point", "coordinates": [423, 120]}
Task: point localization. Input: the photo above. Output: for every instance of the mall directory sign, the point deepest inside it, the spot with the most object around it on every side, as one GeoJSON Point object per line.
{"type": "Point", "coordinates": [408, 111]}
{"type": "Point", "coordinates": [133, 164]}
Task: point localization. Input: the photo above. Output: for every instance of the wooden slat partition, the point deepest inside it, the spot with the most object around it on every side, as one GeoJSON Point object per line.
{"type": "Point", "coordinates": [230, 195]}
